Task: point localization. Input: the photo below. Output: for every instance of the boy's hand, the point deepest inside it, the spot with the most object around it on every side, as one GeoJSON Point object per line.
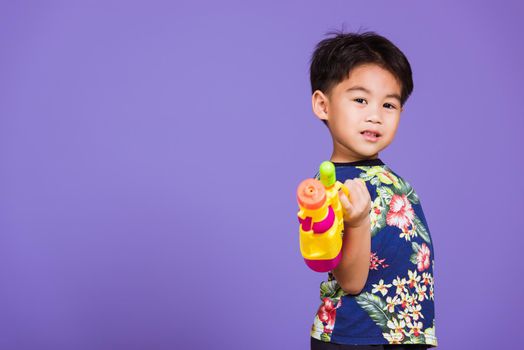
{"type": "Point", "coordinates": [357, 208]}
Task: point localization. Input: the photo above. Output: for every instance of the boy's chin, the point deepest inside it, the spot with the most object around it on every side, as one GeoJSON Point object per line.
{"type": "Point", "coordinates": [369, 153]}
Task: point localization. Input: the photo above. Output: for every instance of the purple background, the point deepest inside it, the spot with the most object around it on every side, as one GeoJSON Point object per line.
{"type": "Point", "coordinates": [150, 154]}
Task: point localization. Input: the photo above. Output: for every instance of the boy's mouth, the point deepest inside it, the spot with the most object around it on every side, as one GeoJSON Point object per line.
{"type": "Point", "coordinates": [370, 135]}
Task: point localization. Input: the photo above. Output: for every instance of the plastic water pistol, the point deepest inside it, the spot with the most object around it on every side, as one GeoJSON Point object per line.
{"type": "Point", "coordinates": [321, 219]}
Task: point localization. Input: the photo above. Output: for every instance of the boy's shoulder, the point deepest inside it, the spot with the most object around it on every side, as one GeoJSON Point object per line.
{"type": "Point", "coordinates": [374, 175]}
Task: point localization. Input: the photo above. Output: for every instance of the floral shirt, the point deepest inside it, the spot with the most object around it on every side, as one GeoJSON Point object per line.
{"type": "Point", "coordinates": [396, 305]}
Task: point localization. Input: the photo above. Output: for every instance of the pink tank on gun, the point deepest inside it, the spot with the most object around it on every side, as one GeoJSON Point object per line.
{"type": "Point", "coordinates": [321, 219]}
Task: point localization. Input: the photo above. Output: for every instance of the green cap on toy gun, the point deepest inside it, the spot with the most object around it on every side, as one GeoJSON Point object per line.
{"type": "Point", "coordinates": [328, 176]}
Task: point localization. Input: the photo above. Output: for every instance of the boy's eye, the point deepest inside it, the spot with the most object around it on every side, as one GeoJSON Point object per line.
{"type": "Point", "coordinates": [386, 104]}
{"type": "Point", "coordinates": [389, 104]}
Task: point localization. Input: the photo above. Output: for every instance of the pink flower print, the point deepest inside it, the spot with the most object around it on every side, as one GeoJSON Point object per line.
{"type": "Point", "coordinates": [327, 314]}
{"type": "Point", "coordinates": [400, 213]}
{"type": "Point", "coordinates": [423, 256]}
{"type": "Point", "coordinates": [375, 262]}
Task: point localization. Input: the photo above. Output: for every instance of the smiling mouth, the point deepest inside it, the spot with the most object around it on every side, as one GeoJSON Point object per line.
{"type": "Point", "coordinates": [370, 136]}
{"type": "Point", "coordinates": [370, 133]}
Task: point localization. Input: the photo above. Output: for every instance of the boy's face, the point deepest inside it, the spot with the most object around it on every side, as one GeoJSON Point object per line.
{"type": "Point", "coordinates": [369, 99]}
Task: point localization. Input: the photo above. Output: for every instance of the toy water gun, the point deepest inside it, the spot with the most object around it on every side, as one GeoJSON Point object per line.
{"type": "Point", "coordinates": [321, 219]}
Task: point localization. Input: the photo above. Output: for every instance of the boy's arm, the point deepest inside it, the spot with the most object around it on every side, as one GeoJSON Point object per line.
{"type": "Point", "coordinates": [352, 271]}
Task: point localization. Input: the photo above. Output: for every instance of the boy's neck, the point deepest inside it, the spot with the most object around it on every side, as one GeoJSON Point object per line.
{"type": "Point", "coordinates": [339, 159]}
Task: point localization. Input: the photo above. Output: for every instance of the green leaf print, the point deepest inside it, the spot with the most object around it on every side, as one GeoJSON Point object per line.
{"type": "Point", "coordinates": [421, 229]}
{"type": "Point", "coordinates": [413, 197]}
{"type": "Point", "coordinates": [385, 194]}
{"type": "Point", "coordinates": [375, 307]}
{"type": "Point", "coordinates": [378, 175]}
{"type": "Point", "coordinates": [386, 180]}
{"type": "Point", "coordinates": [364, 175]}
{"type": "Point", "coordinates": [429, 335]}
{"type": "Point", "coordinates": [377, 214]}
{"type": "Point", "coordinates": [381, 223]}
{"type": "Point", "coordinates": [416, 340]}
{"type": "Point", "coordinates": [403, 187]}
{"type": "Point", "coordinates": [410, 192]}
{"type": "Point", "coordinates": [325, 337]}
{"type": "Point", "coordinates": [330, 289]}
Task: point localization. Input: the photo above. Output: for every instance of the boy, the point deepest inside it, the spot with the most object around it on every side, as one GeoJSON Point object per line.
{"type": "Point", "coordinates": [381, 293]}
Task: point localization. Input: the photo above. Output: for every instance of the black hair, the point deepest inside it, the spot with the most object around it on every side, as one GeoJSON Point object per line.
{"type": "Point", "coordinates": [335, 57]}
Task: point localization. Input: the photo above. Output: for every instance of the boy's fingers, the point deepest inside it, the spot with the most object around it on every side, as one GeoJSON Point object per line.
{"type": "Point", "coordinates": [361, 196]}
{"type": "Point", "coordinates": [345, 202]}
{"type": "Point", "coordinates": [360, 188]}
{"type": "Point", "coordinates": [351, 185]}
{"type": "Point", "coordinates": [359, 192]}
{"type": "Point", "coordinates": [364, 188]}
{"type": "Point", "coordinates": [353, 188]}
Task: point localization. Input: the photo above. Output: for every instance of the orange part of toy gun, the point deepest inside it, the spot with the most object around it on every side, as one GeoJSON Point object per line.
{"type": "Point", "coordinates": [321, 219]}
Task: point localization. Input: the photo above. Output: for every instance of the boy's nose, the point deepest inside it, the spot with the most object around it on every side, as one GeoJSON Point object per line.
{"type": "Point", "coordinates": [374, 117]}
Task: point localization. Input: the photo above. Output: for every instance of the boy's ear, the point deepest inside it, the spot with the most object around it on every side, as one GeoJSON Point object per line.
{"type": "Point", "coordinates": [320, 105]}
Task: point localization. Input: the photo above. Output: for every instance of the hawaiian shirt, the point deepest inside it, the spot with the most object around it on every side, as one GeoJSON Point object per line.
{"type": "Point", "coordinates": [396, 305]}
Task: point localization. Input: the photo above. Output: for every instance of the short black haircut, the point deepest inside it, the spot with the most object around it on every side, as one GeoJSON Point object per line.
{"type": "Point", "coordinates": [336, 56]}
